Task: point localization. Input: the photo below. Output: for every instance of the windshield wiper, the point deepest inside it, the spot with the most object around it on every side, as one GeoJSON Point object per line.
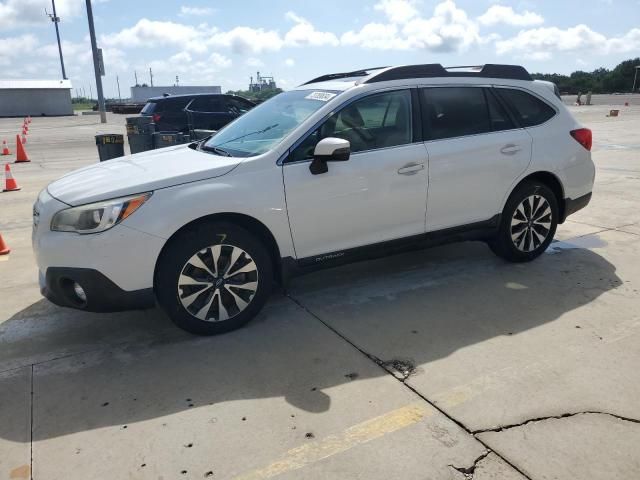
{"type": "Point", "coordinates": [219, 151]}
{"type": "Point", "coordinates": [266, 129]}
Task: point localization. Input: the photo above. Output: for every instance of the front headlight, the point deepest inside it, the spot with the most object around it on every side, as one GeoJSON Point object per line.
{"type": "Point", "coordinates": [97, 217]}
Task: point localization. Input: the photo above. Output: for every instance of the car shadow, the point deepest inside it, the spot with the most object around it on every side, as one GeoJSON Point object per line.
{"type": "Point", "coordinates": [455, 295]}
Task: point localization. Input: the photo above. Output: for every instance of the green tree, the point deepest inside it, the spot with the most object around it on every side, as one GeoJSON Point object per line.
{"type": "Point", "coordinates": [601, 80]}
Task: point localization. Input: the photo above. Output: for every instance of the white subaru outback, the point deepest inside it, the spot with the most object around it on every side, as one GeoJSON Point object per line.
{"type": "Point", "coordinates": [345, 167]}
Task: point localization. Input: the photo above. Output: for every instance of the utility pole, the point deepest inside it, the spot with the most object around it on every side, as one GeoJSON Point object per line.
{"type": "Point", "coordinates": [635, 77]}
{"type": "Point", "coordinates": [55, 19]}
{"type": "Point", "coordinates": [90, 92]}
{"type": "Point", "coordinates": [96, 64]}
{"type": "Point", "coordinates": [151, 76]}
{"type": "Point", "coordinates": [118, 82]}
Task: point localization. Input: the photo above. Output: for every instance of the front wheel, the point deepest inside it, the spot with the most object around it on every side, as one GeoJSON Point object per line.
{"type": "Point", "coordinates": [528, 223]}
{"type": "Point", "coordinates": [213, 278]}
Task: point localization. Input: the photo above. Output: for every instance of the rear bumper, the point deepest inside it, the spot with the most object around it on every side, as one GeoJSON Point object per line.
{"type": "Point", "coordinates": [102, 295]}
{"type": "Point", "coordinates": [573, 205]}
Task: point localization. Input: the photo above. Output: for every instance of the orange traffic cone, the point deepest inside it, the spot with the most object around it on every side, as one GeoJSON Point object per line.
{"type": "Point", "coordinates": [25, 127]}
{"type": "Point", "coordinates": [10, 183]}
{"type": "Point", "coordinates": [29, 119]}
{"type": "Point", "coordinates": [25, 130]}
{"type": "Point", "coordinates": [24, 138]}
{"type": "Point", "coordinates": [5, 148]}
{"type": "Point", "coordinates": [21, 153]}
{"type": "Point", "coordinates": [4, 248]}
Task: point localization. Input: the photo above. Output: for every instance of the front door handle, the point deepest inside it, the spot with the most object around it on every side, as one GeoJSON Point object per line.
{"type": "Point", "coordinates": [510, 149]}
{"type": "Point", "coordinates": [411, 169]}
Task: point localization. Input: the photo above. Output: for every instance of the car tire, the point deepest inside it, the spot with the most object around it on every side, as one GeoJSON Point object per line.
{"type": "Point", "coordinates": [528, 223]}
{"type": "Point", "coordinates": [206, 297]}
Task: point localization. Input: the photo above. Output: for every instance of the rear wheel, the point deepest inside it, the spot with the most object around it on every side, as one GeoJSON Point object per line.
{"type": "Point", "coordinates": [214, 278]}
{"type": "Point", "coordinates": [528, 224]}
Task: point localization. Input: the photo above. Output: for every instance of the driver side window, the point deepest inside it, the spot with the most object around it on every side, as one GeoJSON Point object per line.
{"type": "Point", "coordinates": [377, 121]}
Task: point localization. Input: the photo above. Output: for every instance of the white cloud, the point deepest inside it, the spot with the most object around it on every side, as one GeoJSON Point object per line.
{"type": "Point", "coordinates": [397, 11]}
{"type": "Point", "coordinates": [304, 34]}
{"type": "Point", "coordinates": [219, 61]}
{"type": "Point", "coordinates": [578, 38]}
{"type": "Point", "coordinates": [290, 62]}
{"type": "Point", "coordinates": [185, 65]}
{"type": "Point", "coordinates": [538, 56]}
{"type": "Point", "coordinates": [242, 40]}
{"type": "Point", "coordinates": [376, 35]}
{"type": "Point", "coordinates": [20, 13]}
{"type": "Point", "coordinates": [186, 11]}
{"type": "Point", "coordinates": [449, 29]}
{"type": "Point", "coordinates": [152, 33]}
{"type": "Point", "coordinates": [12, 47]}
{"type": "Point", "coordinates": [254, 62]}
{"type": "Point", "coordinates": [503, 14]}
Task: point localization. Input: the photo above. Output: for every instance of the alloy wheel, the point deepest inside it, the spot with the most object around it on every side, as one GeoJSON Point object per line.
{"type": "Point", "coordinates": [218, 283]}
{"type": "Point", "coordinates": [531, 223]}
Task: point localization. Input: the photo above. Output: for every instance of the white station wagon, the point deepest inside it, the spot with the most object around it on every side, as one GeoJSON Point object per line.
{"type": "Point", "coordinates": [347, 166]}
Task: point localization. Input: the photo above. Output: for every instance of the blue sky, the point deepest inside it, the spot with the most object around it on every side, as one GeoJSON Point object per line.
{"type": "Point", "coordinates": [223, 43]}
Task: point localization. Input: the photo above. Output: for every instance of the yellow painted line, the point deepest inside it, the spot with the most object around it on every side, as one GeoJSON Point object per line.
{"type": "Point", "coordinates": [310, 453]}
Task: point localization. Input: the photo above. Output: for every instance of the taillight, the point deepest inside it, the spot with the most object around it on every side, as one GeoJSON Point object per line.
{"type": "Point", "coordinates": [156, 117]}
{"type": "Point", "coordinates": [583, 137]}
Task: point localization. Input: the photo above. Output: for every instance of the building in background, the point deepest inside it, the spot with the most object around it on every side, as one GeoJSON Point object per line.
{"type": "Point", "coordinates": [141, 93]}
{"type": "Point", "coordinates": [19, 98]}
{"type": "Point", "coordinates": [262, 83]}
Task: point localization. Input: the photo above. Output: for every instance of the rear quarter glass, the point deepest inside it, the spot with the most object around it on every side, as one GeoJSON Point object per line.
{"type": "Point", "coordinates": [149, 108]}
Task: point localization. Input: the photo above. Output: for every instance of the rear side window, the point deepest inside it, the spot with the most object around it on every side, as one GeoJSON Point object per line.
{"type": "Point", "coordinates": [208, 104]}
{"type": "Point", "coordinates": [238, 105]}
{"type": "Point", "coordinates": [529, 110]}
{"type": "Point", "coordinates": [455, 112]}
{"type": "Point", "coordinates": [499, 118]}
{"type": "Point", "coordinates": [172, 105]}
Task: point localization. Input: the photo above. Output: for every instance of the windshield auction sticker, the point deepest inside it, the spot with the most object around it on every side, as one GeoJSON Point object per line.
{"type": "Point", "coordinates": [322, 96]}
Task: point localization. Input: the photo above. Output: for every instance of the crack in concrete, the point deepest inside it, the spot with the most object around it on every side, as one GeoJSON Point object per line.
{"type": "Point", "coordinates": [502, 428]}
{"type": "Point", "coordinates": [470, 471]}
{"type": "Point", "coordinates": [380, 363]}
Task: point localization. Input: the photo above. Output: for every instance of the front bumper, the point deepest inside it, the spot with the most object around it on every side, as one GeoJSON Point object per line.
{"type": "Point", "coordinates": [102, 295]}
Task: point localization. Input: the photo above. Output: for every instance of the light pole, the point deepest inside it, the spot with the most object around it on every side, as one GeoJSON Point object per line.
{"type": "Point", "coordinates": [635, 76]}
{"type": "Point", "coordinates": [55, 19]}
{"type": "Point", "coordinates": [96, 64]}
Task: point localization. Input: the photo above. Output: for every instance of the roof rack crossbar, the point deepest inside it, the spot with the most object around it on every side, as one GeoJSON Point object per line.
{"type": "Point", "coordinates": [334, 76]}
{"type": "Point", "coordinates": [432, 70]}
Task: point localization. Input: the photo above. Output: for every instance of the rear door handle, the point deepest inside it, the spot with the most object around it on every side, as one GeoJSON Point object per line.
{"type": "Point", "coordinates": [411, 169]}
{"type": "Point", "coordinates": [510, 149]}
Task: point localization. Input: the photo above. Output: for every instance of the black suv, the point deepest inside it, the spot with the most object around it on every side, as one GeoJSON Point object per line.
{"type": "Point", "coordinates": [205, 111]}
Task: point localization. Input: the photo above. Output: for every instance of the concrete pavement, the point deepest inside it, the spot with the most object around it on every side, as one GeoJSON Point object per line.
{"type": "Point", "coordinates": [441, 364]}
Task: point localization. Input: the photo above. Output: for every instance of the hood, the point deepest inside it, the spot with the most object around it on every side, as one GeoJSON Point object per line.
{"type": "Point", "coordinates": [139, 173]}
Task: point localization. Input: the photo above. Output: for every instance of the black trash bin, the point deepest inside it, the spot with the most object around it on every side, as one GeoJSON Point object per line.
{"type": "Point", "coordinates": [140, 133]}
{"type": "Point", "coordinates": [110, 146]}
{"type": "Point", "coordinates": [168, 139]}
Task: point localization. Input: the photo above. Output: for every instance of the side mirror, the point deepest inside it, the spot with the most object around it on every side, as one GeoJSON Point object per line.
{"type": "Point", "coordinates": [329, 150]}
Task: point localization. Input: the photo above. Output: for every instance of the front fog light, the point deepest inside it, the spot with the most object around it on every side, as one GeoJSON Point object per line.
{"type": "Point", "coordinates": [79, 291]}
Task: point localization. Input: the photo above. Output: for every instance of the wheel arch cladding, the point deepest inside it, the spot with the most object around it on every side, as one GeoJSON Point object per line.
{"type": "Point", "coordinates": [247, 222]}
{"type": "Point", "coordinates": [551, 181]}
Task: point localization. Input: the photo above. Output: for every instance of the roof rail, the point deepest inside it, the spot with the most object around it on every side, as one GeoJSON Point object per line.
{"type": "Point", "coordinates": [431, 70]}
{"type": "Point", "coordinates": [334, 76]}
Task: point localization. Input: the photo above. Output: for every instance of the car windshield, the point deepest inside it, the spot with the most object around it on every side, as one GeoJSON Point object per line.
{"type": "Point", "coordinates": [263, 127]}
